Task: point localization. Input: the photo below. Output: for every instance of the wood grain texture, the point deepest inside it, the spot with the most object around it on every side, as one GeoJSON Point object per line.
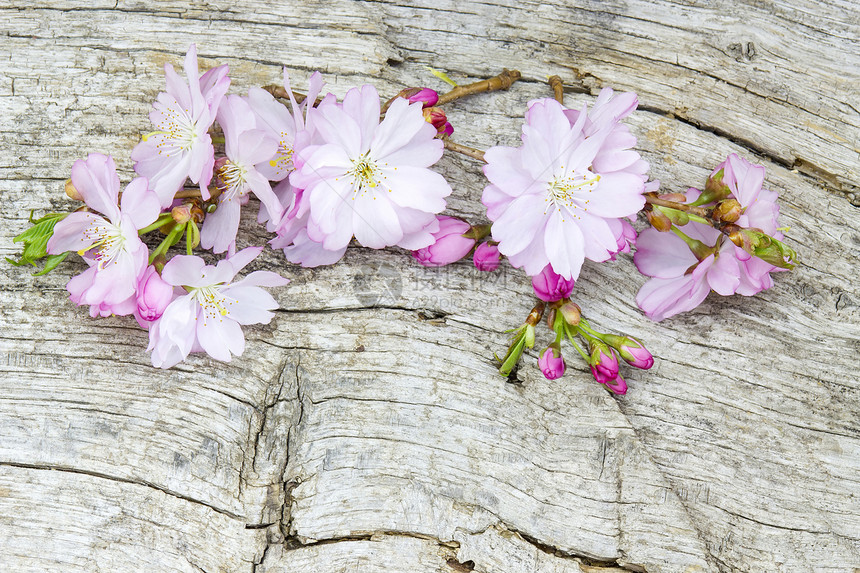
{"type": "Point", "coordinates": [365, 428]}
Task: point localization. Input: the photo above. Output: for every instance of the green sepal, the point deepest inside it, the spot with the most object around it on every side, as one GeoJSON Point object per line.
{"type": "Point", "coordinates": [674, 215]}
{"type": "Point", "coordinates": [715, 190]}
{"type": "Point", "coordinates": [761, 245]}
{"type": "Point", "coordinates": [524, 337]}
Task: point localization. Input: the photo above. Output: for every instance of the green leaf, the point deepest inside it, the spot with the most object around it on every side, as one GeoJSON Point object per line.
{"type": "Point", "coordinates": [35, 241]}
{"type": "Point", "coordinates": [51, 263]}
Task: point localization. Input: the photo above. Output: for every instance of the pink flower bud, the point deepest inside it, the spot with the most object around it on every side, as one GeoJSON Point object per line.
{"type": "Point", "coordinates": [551, 363]}
{"type": "Point", "coordinates": [437, 118]}
{"type": "Point", "coordinates": [635, 354]}
{"type": "Point", "coordinates": [426, 96]}
{"type": "Point", "coordinates": [153, 295]}
{"type": "Point", "coordinates": [550, 287]}
{"type": "Point", "coordinates": [446, 129]}
{"type": "Point", "coordinates": [486, 257]}
{"type": "Point", "coordinates": [571, 312]}
{"type": "Point", "coordinates": [181, 213]}
{"type": "Point", "coordinates": [617, 386]}
{"type": "Point", "coordinates": [600, 376]}
{"type": "Point", "coordinates": [450, 245]}
{"type": "Point", "coordinates": [603, 361]}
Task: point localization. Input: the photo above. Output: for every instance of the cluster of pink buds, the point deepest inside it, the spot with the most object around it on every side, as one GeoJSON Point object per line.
{"type": "Point", "coordinates": [566, 322]}
{"type": "Point", "coordinates": [328, 173]}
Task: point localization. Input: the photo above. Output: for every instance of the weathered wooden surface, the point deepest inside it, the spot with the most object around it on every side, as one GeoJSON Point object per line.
{"type": "Point", "coordinates": [365, 429]}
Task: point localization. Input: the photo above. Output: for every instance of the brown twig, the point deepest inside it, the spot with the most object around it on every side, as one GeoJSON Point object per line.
{"type": "Point", "coordinates": [501, 82]}
{"type": "Point", "coordinates": [653, 199]}
{"type": "Point", "coordinates": [465, 150]}
{"type": "Point", "coordinates": [557, 88]}
{"type": "Point", "coordinates": [194, 193]}
{"type": "Point", "coordinates": [280, 92]}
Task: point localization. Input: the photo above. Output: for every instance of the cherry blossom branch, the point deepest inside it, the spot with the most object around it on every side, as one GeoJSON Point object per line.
{"type": "Point", "coordinates": [280, 92]}
{"type": "Point", "coordinates": [194, 193]}
{"type": "Point", "coordinates": [557, 88]}
{"type": "Point", "coordinates": [653, 199]}
{"type": "Point", "coordinates": [500, 82]}
{"type": "Point", "coordinates": [721, 217]}
{"type": "Point", "coordinates": [464, 149]}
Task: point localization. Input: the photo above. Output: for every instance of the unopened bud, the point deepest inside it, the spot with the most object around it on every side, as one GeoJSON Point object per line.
{"type": "Point", "coordinates": [728, 210]}
{"type": "Point", "coordinates": [715, 189]}
{"type": "Point", "coordinates": [550, 319]}
{"type": "Point", "coordinates": [659, 220]}
{"type": "Point", "coordinates": [678, 217]}
{"type": "Point", "coordinates": [759, 244]}
{"type": "Point", "coordinates": [446, 130]}
{"type": "Point", "coordinates": [571, 313]}
{"type": "Point", "coordinates": [603, 361]}
{"type": "Point", "coordinates": [425, 96]}
{"type": "Point", "coordinates": [631, 350]}
{"type": "Point", "coordinates": [739, 238]}
{"type": "Point", "coordinates": [72, 192]}
{"type": "Point", "coordinates": [197, 214]}
{"type": "Point", "coordinates": [551, 363]}
{"type": "Point", "coordinates": [181, 214]}
{"type": "Point", "coordinates": [436, 117]}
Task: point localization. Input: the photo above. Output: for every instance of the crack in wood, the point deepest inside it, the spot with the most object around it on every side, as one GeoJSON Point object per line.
{"type": "Point", "coordinates": [140, 482]}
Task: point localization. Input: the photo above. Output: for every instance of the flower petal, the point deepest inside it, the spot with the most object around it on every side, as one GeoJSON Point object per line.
{"type": "Point", "coordinates": [97, 182]}
{"type": "Point", "coordinates": [220, 337]}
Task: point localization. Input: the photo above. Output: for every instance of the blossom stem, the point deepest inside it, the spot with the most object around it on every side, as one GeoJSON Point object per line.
{"type": "Point", "coordinates": [192, 237]}
{"type": "Point", "coordinates": [464, 149]}
{"type": "Point", "coordinates": [557, 88]}
{"type": "Point", "coordinates": [558, 327]}
{"type": "Point", "coordinates": [589, 332]}
{"type": "Point", "coordinates": [699, 249]}
{"type": "Point", "coordinates": [162, 220]}
{"type": "Point", "coordinates": [653, 199]}
{"type": "Point", "coordinates": [570, 331]}
{"type": "Point", "coordinates": [171, 239]}
{"type": "Point", "coordinates": [693, 213]}
{"type": "Point", "coordinates": [500, 82]}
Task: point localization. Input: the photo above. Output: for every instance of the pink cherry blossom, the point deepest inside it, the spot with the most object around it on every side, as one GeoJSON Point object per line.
{"type": "Point", "coordinates": [449, 243]}
{"type": "Point", "coordinates": [208, 317]}
{"type": "Point", "coordinates": [237, 175]}
{"type": "Point", "coordinates": [283, 125]}
{"type": "Point", "coordinates": [681, 281]}
{"type": "Point", "coordinates": [181, 147]}
{"type": "Point", "coordinates": [554, 201]}
{"type": "Point", "coordinates": [368, 179]}
{"type": "Point", "coordinates": [109, 242]}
